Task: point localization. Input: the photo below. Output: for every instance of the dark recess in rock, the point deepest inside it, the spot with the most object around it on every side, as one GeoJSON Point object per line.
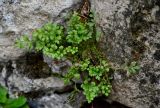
{"type": "Point", "coordinates": [157, 45]}
{"type": "Point", "coordinates": [157, 55]}
{"type": "Point", "coordinates": [1, 67]}
{"type": "Point", "coordinates": [158, 2]}
{"type": "Point", "coordinates": [143, 39]}
{"type": "Point", "coordinates": [33, 66]}
{"type": "Point", "coordinates": [9, 69]}
{"type": "Point", "coordinates": [100, 102]}
{"type": "Point", "coordinates": [158, 15]}
{"type": "Point", "coordinates": [152, 106]}
{"type": "Point", "coordinates": [153, 79]}
{"type": "Point", "coordinates": [34, 94]}
{"type": "Point", "coordinates": [143, 81]}
{"type": "Point", "coordinates": [155, 100]}
{"type": "Point", "coordinates": [138, 24]}
{"type": "Point", "coordinates": [11, 1]}
{"type": "Point", "coordinates": [66, 89]}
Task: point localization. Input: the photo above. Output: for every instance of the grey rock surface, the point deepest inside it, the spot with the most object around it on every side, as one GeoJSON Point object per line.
{"type": "Point", "coordinates": [58, 66]}
{"type": "Point", "coordinates": [132, 33]}
{"type": "Point", "coordinates": [52, 101]}
{"type": "Point", "coordinates": [19, 17]}
{"type": "Point", "coordinates": [39, 90]}
{"type": "Point", "coordinates": [12, 77]}
{"type": "Point", "coordinates": [23, 73]}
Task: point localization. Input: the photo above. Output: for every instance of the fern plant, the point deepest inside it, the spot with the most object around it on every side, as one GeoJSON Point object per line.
{"type": "Point", "coordinates": [95, 78]}
{"type": "Point", "coordinates": [78, 31]}
{"type": "Point", "coordinates": [77, 42]}
{"type": "Point", "coordinates": [6, 102]}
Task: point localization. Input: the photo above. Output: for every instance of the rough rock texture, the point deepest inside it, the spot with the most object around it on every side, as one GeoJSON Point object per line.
{"type": "Point", "coordinates": [26, 73]}
{"type": "Point", "coordinates": [39, 90]}
{"type": "Point", "coordinates": [18, 17]}
{"type": "Point", "coordinates": [52, 101]}
{"type": "Point", "coordinates": [59, 67]}
{"type": "Point", "coordinates": [132, 33]}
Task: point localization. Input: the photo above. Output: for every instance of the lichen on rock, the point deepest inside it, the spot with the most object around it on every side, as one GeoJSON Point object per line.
{"type": "Point", "coordinates": [131, 29]}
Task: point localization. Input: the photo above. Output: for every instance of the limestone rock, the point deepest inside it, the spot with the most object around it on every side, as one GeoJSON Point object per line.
{"type": "Point", "coordinates": [19, 17]}
{"type": "Point", "coordinates": [52, 101]}
{"type": "Point", "coordinates": [132, 33]}
{"type": "Point", "coordinates": [36, 88]}
{"type": "Point", "coordinates": [17, 80]}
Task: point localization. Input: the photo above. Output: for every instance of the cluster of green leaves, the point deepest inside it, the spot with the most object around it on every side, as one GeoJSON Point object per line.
{"type": "Point", "coordinates": [132, 68]}
{"type": "Point", "coordinates": [92, 89]}
{"type": "Point", "coordinates": [97, 82]}
{"type": "Point", "coordinates": [95, 78]}
{"type": "Point", "coordinates": [78, 31]}
{"type": "Point", "coordinates": [52, 41]}
{"type": "Point", "coordinates": [77, 42]}
{"type": "Point", "coordinates": [6, 102]}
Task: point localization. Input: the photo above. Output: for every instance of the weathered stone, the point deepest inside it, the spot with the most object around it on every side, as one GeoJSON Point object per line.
{"type": "Point", "coordinates": [52, 101]}
{"type": "Point", "coordinates": [33, 66]}
{"type": "Point", "coordinates": [18, 82]}
{"type": "Point", "coordinates": [38, 89]}
{"type": "Point", "coordinates": [58, 66]}
{"type": "Point", "coordinates": [132, 33]}
{"type": "Point", "coordinates": [18, 17]}
{"type": "Point", "coordinates": [27, 74]}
